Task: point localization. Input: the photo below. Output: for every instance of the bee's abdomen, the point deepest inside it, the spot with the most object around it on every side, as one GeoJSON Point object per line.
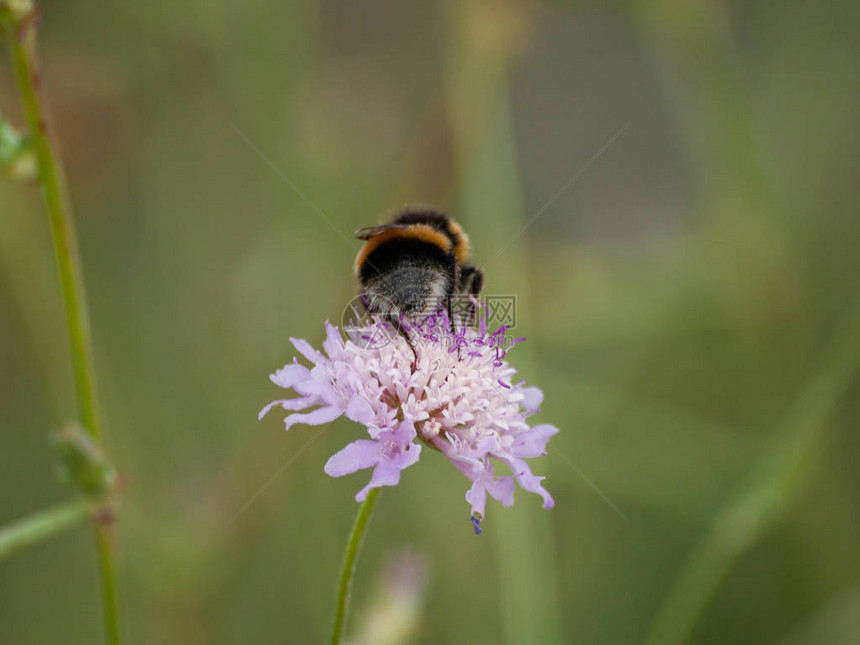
{"type": "Point", "coordinates": [410, 290]}
{"type": "Point", "coordinates": [407, 276]}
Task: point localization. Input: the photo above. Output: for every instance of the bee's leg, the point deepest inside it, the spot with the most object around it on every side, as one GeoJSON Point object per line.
{"type": "Point", "coordinates": [477, 282]}
{"type": "Point", "coordinates": [472, 280]}
{"type": "Point", "coordinates": [465, 273]}
{"type": "Point", "coordinates": [452, 322]}
{"type": "Point", "coordinates": [395, 322]}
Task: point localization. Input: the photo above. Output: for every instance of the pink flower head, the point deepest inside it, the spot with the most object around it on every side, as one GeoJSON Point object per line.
{"type": "Point", "coordinates": [453, 394]}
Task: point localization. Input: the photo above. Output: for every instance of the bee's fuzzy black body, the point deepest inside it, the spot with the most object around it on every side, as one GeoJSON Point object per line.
{"type": "Point", "coordinates": [414, 265]}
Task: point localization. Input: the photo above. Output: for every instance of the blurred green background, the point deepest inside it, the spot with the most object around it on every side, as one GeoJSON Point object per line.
{"type": "Point", "coordinates": [687, 300]}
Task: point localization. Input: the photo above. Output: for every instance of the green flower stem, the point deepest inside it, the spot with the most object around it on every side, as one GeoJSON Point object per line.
{"type": "Point", "coordinates": [43, 524]}
{"type": "Point", "coordinates": [23, 50]}
{"type": "Point", "coordinates": [768, 493]}
{"type": "Point", "coordinates": [22, 46]}
{"type": "Point", "coordinates": [345, 585]}
{"type": "Point", "coordinates": [107, 577]}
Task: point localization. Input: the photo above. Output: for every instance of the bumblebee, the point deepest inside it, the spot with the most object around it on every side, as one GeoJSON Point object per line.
{"type": "Point", "coordinates": [414, 265]}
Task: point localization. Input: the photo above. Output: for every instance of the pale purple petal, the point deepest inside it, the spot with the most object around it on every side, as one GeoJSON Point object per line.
{"type": "Point", "coordinates": [266, 409]}
{"type": "Point", "coordinates": [405, 432]}
{"type": "Point", "coordinates": [360, 411]}
{"type": "Point", "coordinates": [502, 489]}
{"type": "Point", "coordinates": [488, 445]}
{"type": "Point", "coordinates": [289, 375]}
{"type": "Point", "coordinates": [465, 464]}
{"type": "Point", "coordinates": [407, 456]}
{"type": "Point", "coordinates": [299, 404]}
{"type": "Point", "coordinates": [533, 443]}
{"type": "Point", "coordinates": [333, 342]}
{"type": "Point", "coordinates": [287, 404]}
{"type": "Point", "coordinates": [382, 476]}
{"type": "Point", "coordinates": [374, 432]}
{"type": "Point", "coordinates": [315, 418]}
{"type": "Point", "coordinates": [313, 387]}
{"type": "Point", "coordinates": [477, 497]}
{"type": "Point", "coordinates": [396, 446]}
{"type": "Point", "coordinates": [532, 398]}
{"type": "Point", "coordinates": [530, 482]}
{"type": "Point", "coordinates": [356, 456]}
{"type": "Point", "coordinates": [307, 351]}
{"type": "Point", "coordinates": [548, 501]}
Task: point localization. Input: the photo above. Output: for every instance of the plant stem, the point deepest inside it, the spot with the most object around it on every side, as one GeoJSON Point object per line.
{"type": "Point", "coordinates": [768, 493]}
{"type": "Point", "coordinates": [24, 60]}
{"type": "Point", "coordinates": [345, 585]}
{"type": "Point", "coordinates": [110, 604]}
{"type": "Point", "coordinates": [22, 45]}
{"type": "Point", "coordinates": [43, 524]}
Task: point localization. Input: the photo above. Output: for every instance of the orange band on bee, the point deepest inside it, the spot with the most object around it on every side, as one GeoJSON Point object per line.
{"type": "Point", "coordinates": [461, 243]}
{"type": "Point", "coordinates": [421, 232]}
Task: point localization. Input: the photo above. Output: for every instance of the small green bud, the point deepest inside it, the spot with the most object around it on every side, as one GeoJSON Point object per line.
{"type": "Point", "coordinates": [10, 141]}
{"type": "Point", "coordinates": [84, 465]}
{"type": "Point", "coordinates": [11, 14]}
{"type": "Point", "coordinates": [16, 152]}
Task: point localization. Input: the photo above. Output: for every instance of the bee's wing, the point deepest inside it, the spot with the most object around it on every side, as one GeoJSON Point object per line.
{"type": "Point", "coordinates": [371, 231]}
